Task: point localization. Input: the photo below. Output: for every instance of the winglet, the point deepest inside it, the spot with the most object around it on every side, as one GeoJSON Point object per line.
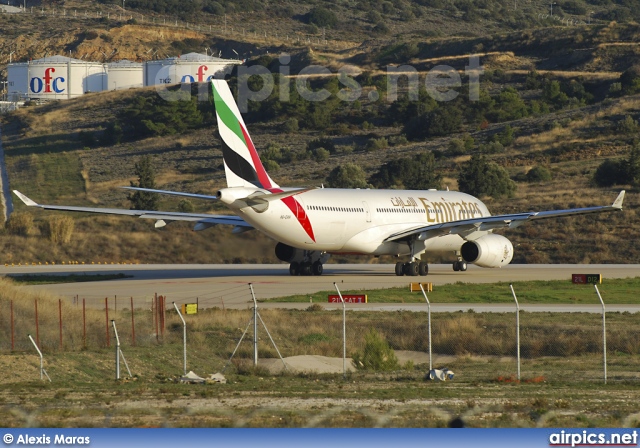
{"type": "Point", "coordinates": [618, 202]}
{"type": "Point", "coordinates": [25, 199]}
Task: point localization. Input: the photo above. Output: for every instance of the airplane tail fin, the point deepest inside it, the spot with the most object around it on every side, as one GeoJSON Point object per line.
{"type": "Point", "coordinates": [242, 164]}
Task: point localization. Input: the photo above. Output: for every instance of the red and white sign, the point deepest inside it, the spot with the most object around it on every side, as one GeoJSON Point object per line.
{"type": "Point", "coordinates": [348, 298]}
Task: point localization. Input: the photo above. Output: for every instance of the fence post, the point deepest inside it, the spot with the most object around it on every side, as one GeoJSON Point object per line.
{"type": "Point", "coordinates": [84, 324]}
{"type": "Point", "coordinates": [604, 335]}
{"type": "Point", "coordinates": [60, 319]}
{"type": "Point", "coordinates": [133, 325]}
{"type": "Point", "coordinates": [37, 324]}
{"type": "Point", "coordinates": [429, 324]}
{"type": "Point", "coordinates": [115, 331]}
{"type": "Point", "coordinates": [517, 328]}
{"type": "Point", "coordinates": [163, 311]}
{"type": "Point", "coordinates": [154, 309]}
{"type": "Point", "coordinates": [255, 326]}
{"type": "Point", "coordinates": [344, 333]}
{"type": "Point", "coordinates": [42, 371]}
{"type": "Point", "coordinates": [106, 310]}
{"type": "Point", "coordinates": [184, 337]}
{"type": "Point", "coordinates": [12, 328]}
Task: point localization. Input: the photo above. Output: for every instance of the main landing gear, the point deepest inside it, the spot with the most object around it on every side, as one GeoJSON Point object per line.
{"type": "Point", "coordinates": [412, 268]}
{"type": "Point", "coordinates": [306, 268]}
{"type": "Point", "coordinates": [460, 265]}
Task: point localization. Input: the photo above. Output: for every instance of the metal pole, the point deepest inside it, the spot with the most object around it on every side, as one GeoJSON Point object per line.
{"type": "Point", "coordinates": [12, 327]}
{"type": "Point", "coordinates": [517, 327]}
{"type": "Point", "coordinates": [106, 311]}
{"type": "Point", "coordinates": [37, 323]}
{"type": "Point", "coordinates": [255, 326]}
{"type": "Point", "coordinates": [429, 320]}
{"type": "Point", "coordinates": [604, 335]}
{"type": "Point", "coordinates": [344, 333]}
{"type": "Point", "coordinates": [60, 319]}
{"type": "Point", "coordinates": [133, 325]}
{"type": "Point", "coordinates": [84, 324]}
{"type": "Point", "coordinates": [115, 331]}
{"type": "Point", "coordinates": [184, 337]}
{"type": "Point", "coordinates": [42, 371]}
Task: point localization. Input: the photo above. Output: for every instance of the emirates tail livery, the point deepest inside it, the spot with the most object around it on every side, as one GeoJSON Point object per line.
{"type": "Point", "coordinates": [309, 224]}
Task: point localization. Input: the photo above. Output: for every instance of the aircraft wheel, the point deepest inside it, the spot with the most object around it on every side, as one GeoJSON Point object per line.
{"type": "Point", "coordinates": [456, 266]}
{"type": "Point", "coordinates": [316, 268]}
{"type": "Point", "coordinates": [294, 268]}
{"type": "Point", "coordinates": [305, 269]}
{"type": "Point", "coordinates": [423, 268]}
{"type": "Point", "coordinates": [411, 269]}
{"type": "Point", "coordinates": [399, 269]}
{"type": "Point", "coordinates": [462, 265]}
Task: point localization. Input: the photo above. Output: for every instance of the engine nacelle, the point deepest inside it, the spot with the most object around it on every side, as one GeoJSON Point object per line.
{"type": "Point", "coordinates": [489, 251]}
{"type": "Point", "coordinates": [289, 254]}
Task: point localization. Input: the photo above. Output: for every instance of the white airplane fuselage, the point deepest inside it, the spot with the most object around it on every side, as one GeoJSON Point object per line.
{"type": "Point", "coordinates": [358, 221]}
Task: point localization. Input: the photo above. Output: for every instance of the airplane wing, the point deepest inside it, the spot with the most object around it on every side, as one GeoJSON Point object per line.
{"type": "Point", "coordinates": [466, 227]}
{"type": "Point", "coordinates": [202, 220]}
{"type": "Point", "coordinates": [174, 193]}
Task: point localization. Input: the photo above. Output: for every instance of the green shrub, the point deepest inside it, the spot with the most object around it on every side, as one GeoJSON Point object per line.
{"type": "Point", "coordinates": [348, 175]}
{"type": "Point", "coordinates": [375, 144]}
{"type": "Point", "coordinates": [325, 143]}
{"type": "Point", "coordinates": [322, 17]}
{"type": "Point", "coordinates": [377, 354]}
{"type": "Point", "coordinates": [186, 206]}
{"type": "Point", "coordinates": [271, 166]}
{"type": "Point", "coordinates": [321, 155]}
{"type": "Point", "coordinates": [538, 174]}
{"type": "Point", "coordinates": [627, 125]}
{"type": "Point", "coordinates": [291, 125]}
{"type": "Point", "coordinates": [479, 177]}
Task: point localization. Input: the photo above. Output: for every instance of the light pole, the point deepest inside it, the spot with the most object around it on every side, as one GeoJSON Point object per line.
{"type": "Point", "coordinates": [11, 54]}
{"type": "Point", "coordinates": [551, 7]}
{"type": "Point", "coordinates": [123, 5]}
{"type": "Point", "coordinates": [589, 20]}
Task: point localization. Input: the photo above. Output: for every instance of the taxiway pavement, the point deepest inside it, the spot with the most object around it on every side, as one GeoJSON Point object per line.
{"type": "Point", "coordinates": [228, 285]}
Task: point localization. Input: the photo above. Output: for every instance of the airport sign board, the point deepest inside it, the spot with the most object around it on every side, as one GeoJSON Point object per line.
{"type": "Point", "coordinates": [586, 279]}
{"type": "Point", "coordinates": [348, 298]}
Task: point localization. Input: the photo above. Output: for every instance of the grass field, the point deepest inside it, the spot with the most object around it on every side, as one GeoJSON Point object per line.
{"type": "Point", "coordinates": [620, 291]}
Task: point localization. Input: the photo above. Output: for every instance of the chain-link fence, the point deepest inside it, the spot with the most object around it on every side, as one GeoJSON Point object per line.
{"type": "Point", "coordinates": [475, 346]}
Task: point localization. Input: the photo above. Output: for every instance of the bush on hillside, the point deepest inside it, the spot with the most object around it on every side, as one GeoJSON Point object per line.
{"type": "Point", "coordinates": [479, 177]}
{"type": "Point", "coordinates": [416, 173]}
{"type": "Point", "coordinates": [538, 174]}
{"type": "Point", "coordinates": [348, 175]}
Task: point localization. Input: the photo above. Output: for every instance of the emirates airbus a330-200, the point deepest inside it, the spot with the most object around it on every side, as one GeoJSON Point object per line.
{"type": "Point", "coordinates": [310, 224]}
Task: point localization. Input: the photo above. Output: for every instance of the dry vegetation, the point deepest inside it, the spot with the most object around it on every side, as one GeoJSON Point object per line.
{"type": "Point", "coordinates": [561, 370]}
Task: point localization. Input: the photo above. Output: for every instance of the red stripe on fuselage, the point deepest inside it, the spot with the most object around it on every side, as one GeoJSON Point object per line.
{"type": "Point", "coordinates": [300, 214]}
{"type": "Point", "coordinates": [262, 174]}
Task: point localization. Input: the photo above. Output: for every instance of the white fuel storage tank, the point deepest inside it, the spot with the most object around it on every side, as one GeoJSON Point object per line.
{"type": "Point", "coordinates": [56, 78]}
{"type": "Point", "coordinates": [191, 67]}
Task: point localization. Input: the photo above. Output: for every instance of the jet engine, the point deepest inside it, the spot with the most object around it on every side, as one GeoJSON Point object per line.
{"type": "Point", "coordinates": [289, 254]}
{"type": "Point", "coordinates": [489, 251]}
